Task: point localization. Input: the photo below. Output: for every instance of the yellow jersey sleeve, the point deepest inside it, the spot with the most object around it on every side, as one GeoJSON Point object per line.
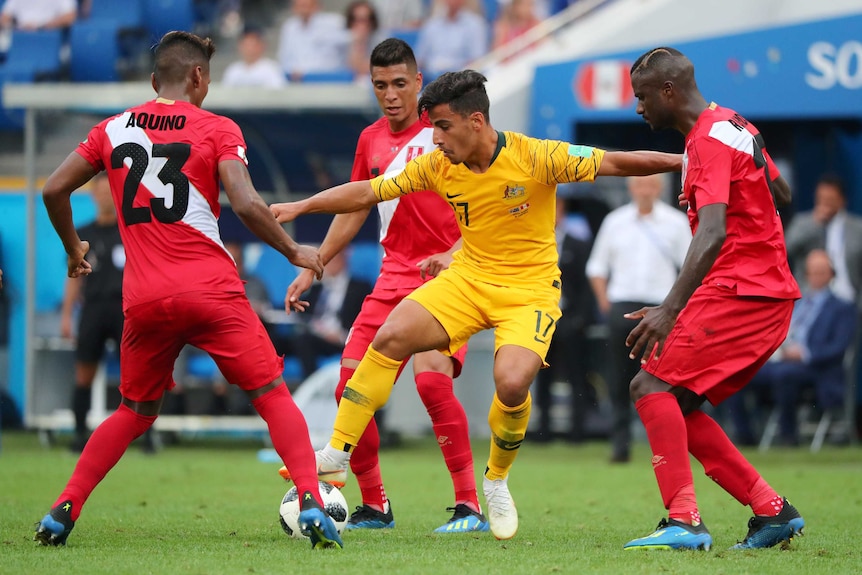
{"type": "Point", "coordinates": [419, 174]}
{"type": "Point", "coordinates": [555, 162]}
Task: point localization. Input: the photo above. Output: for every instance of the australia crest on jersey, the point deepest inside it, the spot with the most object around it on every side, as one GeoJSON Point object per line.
{"type": "Point", "coordinates": [513, 191]}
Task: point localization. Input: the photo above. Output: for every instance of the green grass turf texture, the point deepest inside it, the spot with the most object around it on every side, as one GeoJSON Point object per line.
{"type": "Point", "coordinates": [210, 507]}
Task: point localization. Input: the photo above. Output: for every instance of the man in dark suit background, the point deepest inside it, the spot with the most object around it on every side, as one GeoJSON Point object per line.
{"type": "Point", "coordinates": [567, 354]}
{"type": "Point", "coordinates": [334, 303]}
{"type": "Point", "coordinates": [822, 329]}
{"type": "Point", "coordinates": [830, 227]}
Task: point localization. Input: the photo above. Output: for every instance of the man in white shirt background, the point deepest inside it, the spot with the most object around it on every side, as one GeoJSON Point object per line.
{"type": "Point", "coordinates": [638, 252]}
{"type": "Point", "coordinates": [311, 41]}
{"type": "Point", "coordinates": [254, 68]}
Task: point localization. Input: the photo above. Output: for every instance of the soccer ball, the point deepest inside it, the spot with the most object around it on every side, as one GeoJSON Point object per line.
{"type": "Point", "coordinates": [333, 501]}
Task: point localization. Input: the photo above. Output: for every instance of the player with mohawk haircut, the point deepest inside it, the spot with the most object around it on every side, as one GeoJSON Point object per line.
{"type": "Point", "coordinates": [693, 346]}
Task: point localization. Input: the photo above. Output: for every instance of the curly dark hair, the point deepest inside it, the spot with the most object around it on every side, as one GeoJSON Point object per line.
{"type": "Point", "coordinates": [464, 91]}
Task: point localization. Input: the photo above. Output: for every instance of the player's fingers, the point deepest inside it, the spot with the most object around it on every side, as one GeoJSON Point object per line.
{"type": "Point", "coordinates": [649, 348]}
{"type": "Point", "coordinates": [635, 341]}
{"type": "Point", "coordinates": [636, 314]}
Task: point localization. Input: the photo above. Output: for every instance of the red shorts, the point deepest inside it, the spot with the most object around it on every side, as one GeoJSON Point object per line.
{"type": "Point", "coordinates": [221, 324]}
{"type": "Point", "coordinates": [720, 340]}
{"type": "Point", "coordinates": [375, 309]}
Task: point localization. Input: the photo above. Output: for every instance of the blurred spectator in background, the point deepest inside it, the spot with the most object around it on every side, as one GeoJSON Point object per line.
{"type": "Point", "coordinates": [334, 303]}
{"type": "Point", "coordinates": [100, 296]}
{"type": "Point", "coordinates": [829, 227]}
{"type": "Point", "coordinates": [451, 40]}
{"type": "Point", "coordinates": [230, 15]}
{"type": "Point", "coordinates": [254, 68]}
{"type": "Point", "coordinates": [38, 14]}
{"type": "Point", "coordinates": [362, 26]}
{"type": "Point", "coordinates": [635, 260]}
{"type": "Point", "coordinates": [567, 354]}
{"type": "Point", "coordinates": [311, 41]}
{"type": "Point", "coordinates": [822, 327]}
{"type": "Point", "coordinates": [255, 289]}
{"type": "Point", "coordinates": [399, 14]}
{"type": "Point", "coordinates": [513, 20]}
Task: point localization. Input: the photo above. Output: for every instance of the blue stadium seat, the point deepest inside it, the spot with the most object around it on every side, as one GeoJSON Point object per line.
{"type": "Point", "coordinates": [12, 119]}
{"type": "Point", "coordinates": [161, 16]}
{"type": "Point", "coordinates": [125, 14]}
{"type": "Point", "coordinates": [276, 273]}
{"type": "Point", "coordinates": [339, 76]}
{"type": "Point", "coordinates": [35, 52]}
{"type": "Point", "coordinates": [490, 9]}
{"type": "Point", "coordinates": [365, 258]}
{"type": "Point", "coordinates": [94, 51]}
{"type": "Point", "coordinates": [201, 366]}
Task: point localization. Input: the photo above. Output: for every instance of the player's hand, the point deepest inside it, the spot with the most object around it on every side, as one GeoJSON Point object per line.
{"type": "Point", "coordinates": [650, 334]}
{"type": "Point", "coordinates": [309, 258]}
{"type": "Point", "coordinates": [433, 265]}
{"type": "Point", "coordinates": [77, 265]}
{"type": "Point", "coordinates": [296, 288]}
{"type": "Point", "coordinates": [285, 212]}
{"type": "Point", "coordinates": [683, 201]}
{"type": "Point", "coordinates": [66, 326]}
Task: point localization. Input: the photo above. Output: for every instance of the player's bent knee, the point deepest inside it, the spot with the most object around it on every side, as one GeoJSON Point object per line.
{"type": "Point", "coordinates": [512, 390]}
{"type": "Point", "coordinates": [645, 383]}
{"type": "Point", "coordinates": [392, 341]}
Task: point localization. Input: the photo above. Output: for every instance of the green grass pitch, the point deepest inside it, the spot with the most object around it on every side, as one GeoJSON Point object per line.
{"type": "Point", "coordinates": [210, 507]}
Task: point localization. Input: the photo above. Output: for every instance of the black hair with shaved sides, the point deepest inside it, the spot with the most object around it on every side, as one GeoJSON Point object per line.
{"type": "Point", "coordinates": [464, 91]}
{"type": "Point", "coordinates": [391, 52]}
{"type": "Point", "coordinates": [178, 51]}
{"type": "Point", "coordinates": [665, 63]}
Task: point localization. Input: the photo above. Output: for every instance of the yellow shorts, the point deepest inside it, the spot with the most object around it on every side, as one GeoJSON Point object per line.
{"type": "Point", "coordinates": [522, 316]}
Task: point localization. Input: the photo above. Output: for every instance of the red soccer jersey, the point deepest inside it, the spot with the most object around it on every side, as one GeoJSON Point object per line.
{"type": "Point", "coordinates": [162, 161]}
{"type": "Point", "coordinates": [414, 226]}
{"type": "Point", "coordinates": [725, 162]}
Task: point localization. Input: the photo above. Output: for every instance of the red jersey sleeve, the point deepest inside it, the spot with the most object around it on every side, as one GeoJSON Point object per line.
{"type": "Point", "coordinates": [360, 161]}
{"type": "Point", "coordinates": [708, 175]}
{"type": "Point", "coordinates": [229, 143]}
{"type": "Point", "coordinates": [91, 148]}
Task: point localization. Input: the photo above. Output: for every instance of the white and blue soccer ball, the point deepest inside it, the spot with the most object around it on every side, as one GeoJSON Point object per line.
{"type": "Point", "coordinates": [333, 501]}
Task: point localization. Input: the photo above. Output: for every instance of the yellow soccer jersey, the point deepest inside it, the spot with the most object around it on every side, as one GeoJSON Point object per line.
{"type": "Point", "coordinates": [506, 214]}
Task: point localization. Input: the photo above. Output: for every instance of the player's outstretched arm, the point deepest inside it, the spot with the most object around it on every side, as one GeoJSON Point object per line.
{"type": "Point", "coordinates": [640, 163]}
{"type": "Point", "coordinates": [255, 215]}
{"type": "Point", "coordinates": [73, 173]}
{"type": "Point", "coordinates": [343, 199]}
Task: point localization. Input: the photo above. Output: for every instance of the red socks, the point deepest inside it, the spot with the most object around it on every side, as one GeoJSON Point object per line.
{"type": "Point", "coordinates": [289, 434]}
{"type": "Point", "coordinates": [102, 452]}
{"type": "Point", "coordinates": [364, 461]}
{"type": "Point", "coordinates": [723, 463]}
{"type": "Point", "coordinates": [666, 431]}
{"type": "Point", "coordinates": [451, 429]}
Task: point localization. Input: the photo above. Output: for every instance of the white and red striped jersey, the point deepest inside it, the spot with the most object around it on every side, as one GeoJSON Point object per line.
{"type": "Point", "coordinates": [413, 226]}
{"type": "Point", "coordinates": [726, 162]}
{"type": "Point", "coordinates": [162, 161]}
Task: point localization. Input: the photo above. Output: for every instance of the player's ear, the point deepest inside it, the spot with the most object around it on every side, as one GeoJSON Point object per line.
{"type": "Point", "coordinates": [667, 88]}
{"type": "Point", "coordinates": [154, 83]}
{"type": "Point", "coordinates": [197, 76]}
{"type": "Point", "coordinates": [477, 120]}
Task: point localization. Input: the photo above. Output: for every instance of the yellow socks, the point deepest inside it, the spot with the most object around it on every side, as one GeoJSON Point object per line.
{"type": "Point", "coordinates": [508, 427]}
{"type": "Point", "coordinates": [366, 392]}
